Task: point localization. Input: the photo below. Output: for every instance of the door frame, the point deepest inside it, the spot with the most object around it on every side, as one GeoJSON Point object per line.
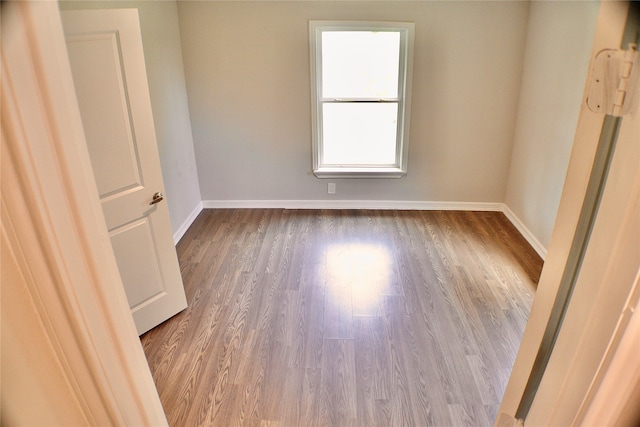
{"type": "Point", "coordinates": [54, 233]}
{"type": "Point", "coordinates": [610, 27]}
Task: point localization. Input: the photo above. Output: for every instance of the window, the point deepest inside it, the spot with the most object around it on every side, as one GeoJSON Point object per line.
{"type": "Point", "coordinates": [360, 90]}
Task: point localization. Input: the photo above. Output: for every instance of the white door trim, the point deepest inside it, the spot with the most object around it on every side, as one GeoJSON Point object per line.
{"type": "Point", "coordinates": [609, 30]}
{"type": "Point", "coordinates": [52, 225]}
{"type": "Point", "coordinates": [610, 402]}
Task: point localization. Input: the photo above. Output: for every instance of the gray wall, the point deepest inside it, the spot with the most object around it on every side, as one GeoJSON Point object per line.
{"type": "Point", "coordinates": [559, 40]}
{"type": "Point", "coordinates": [247, 73]}
{"type": "Point", "coordinates": [496, 94]}
{"type": "Point", "coordinates": [165, 71]}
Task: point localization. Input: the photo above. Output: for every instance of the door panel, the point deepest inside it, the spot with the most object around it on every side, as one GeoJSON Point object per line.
{"type": "Point", "coordinates": [107, 125]}
{"type": "Point", "coordinates": [137, 266]}
{"type": "Point", "coordinates": [107, 61]}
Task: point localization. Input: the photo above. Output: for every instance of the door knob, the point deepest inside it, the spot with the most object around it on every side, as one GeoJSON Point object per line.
{"type": "Point", "coordinates": [157, 198]}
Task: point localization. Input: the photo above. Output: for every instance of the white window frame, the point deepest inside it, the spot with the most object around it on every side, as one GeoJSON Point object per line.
{"type": "Point", "coordinates": [399, 167]}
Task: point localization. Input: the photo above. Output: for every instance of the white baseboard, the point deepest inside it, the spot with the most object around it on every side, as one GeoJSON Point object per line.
{"type": "Point", "coordinates": [187, 223]}
{"type": "Point", "coordinates": [351, 204]}
{"type": "Point", "coordinates": [384, 205]}
{"type": "Point", "coordinates": [526, 233]}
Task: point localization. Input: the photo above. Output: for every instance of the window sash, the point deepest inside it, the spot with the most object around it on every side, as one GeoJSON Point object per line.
{"type": "Point", "coordinates": [363, 136]}
{"type": "Point", "coordinates": [360, 63]}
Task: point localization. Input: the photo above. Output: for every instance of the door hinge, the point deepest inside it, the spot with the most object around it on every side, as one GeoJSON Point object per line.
{"type": "Point", "coordinates": [613, 82]}
{"type": "Point", "coordinates": [506, 420]}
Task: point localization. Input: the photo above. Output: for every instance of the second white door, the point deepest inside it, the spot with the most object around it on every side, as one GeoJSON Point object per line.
{"type": "Point", "coordinates": [107, 61]}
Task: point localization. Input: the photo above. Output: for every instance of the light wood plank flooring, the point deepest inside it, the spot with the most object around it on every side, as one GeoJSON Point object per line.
{"type": "Point", "coordinates": [331, 318]}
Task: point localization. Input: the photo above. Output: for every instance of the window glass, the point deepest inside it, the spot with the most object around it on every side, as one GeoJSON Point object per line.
{"type": "Point", "coordinates": [360, 64]}
{"type": "Point", "coordinates": [359, 133]}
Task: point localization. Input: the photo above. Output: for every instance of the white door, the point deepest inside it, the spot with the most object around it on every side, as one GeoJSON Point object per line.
{"type": "Point", "coordinates": [107, 61]}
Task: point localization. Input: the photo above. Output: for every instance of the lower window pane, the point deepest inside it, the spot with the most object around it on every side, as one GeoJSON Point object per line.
{"type": "Point", "coordinates": [359, 133]}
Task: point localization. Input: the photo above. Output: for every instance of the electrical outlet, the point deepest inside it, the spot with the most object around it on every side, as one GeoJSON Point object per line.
{"type": "Point", "coordinates": [331, 188]}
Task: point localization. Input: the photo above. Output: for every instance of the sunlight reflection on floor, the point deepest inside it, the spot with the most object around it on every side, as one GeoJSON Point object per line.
{"type": "Point", "coordinates": [358, 274]}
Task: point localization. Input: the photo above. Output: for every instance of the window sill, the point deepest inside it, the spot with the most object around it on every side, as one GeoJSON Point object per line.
{"type": "Point", "coordinates": [363, 172]}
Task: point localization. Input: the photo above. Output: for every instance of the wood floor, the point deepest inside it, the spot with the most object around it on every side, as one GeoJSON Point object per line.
{"type": "Point", "coordinates": [331, 318]}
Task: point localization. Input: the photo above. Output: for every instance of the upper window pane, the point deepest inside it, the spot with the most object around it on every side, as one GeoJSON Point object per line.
{"type": "Point", "coordinates": [360, 64]}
